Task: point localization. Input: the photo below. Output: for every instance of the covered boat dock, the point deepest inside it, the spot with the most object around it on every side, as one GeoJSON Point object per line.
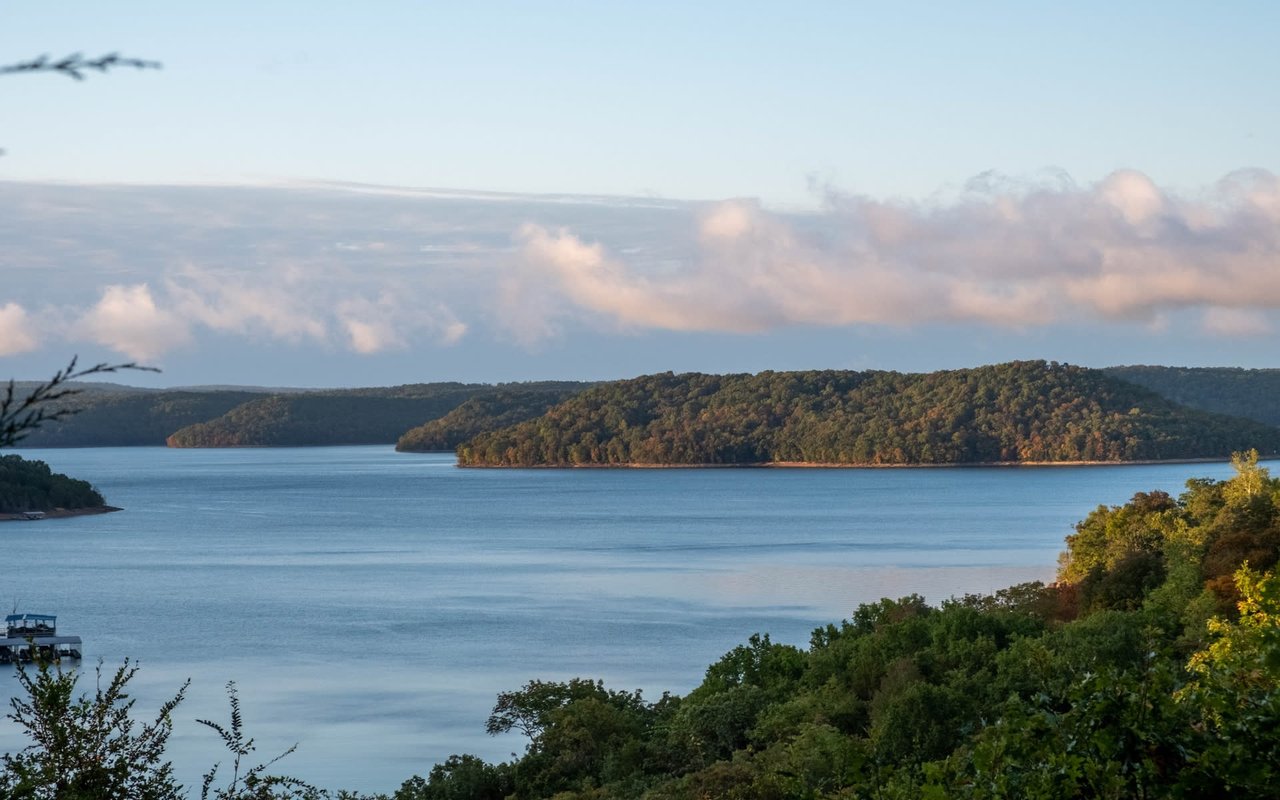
{"type": "Point", "coordinates": [30, 635]}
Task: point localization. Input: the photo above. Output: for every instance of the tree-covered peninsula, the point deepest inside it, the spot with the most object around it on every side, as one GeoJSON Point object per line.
{"type": "Point", "coordinates": [354, 416]}
{"type": "Point", "coordinates": [1019, 412]}
{"type": "Point", "coordinates": [485, 412]}
{"type": "Point", "coordinates": [31, 486]}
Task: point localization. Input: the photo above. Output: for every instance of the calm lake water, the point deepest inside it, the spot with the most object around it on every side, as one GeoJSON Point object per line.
{"type": "Point", "coordinates": [370, 604]}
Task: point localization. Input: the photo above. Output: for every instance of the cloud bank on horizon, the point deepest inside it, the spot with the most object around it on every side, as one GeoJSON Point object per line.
{"type": "Point", "coordinates": [146, 271]}
{"type": "Point", "coordinates": [1003, 254]}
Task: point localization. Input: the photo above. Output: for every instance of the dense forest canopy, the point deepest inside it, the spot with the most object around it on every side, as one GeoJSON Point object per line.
{"type": "Point", "coordinates": [31, 486]}
{"type": "Point", "coordinates": [131, 418]}
{"type": "Point", "coordinates": [482, 413]}
{"type": "Point", "coordinates": [321, 418]}
{"type": "Point", "coordinates": [1031, 411]}
{"type": "Point", "coordinates": [727, 428]}
{"type": "Point", "coordinates": [1249, 393]}
{"type": "Point", "coordinates": [351, 416]}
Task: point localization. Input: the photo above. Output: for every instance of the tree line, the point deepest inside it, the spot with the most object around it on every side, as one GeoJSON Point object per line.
{"type": "Point", "coordinates": [31, 486]}
{"type": "Point", "coordinates": [1250, 393]}
{"type": "Point", "coordinates": [1014, 412]}
{"type": "Point", "coordinates": [481, 413]}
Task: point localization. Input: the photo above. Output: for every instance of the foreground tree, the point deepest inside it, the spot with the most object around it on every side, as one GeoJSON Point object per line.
{"type": "Point", "coordinates": [87, 747]}
{"type": "Point", "coordinates": [249, 782]}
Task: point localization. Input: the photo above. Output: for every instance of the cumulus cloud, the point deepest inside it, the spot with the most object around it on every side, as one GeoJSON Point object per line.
{"type": "Point", "coordinates": [1002, 253]}
{"type": "Point", "coordinates": [16, 334]}
{"type": "Point", "coordinates": [284, 305]}
{"type": "Point", "coordinates": [370, 336]}
{"type": "Point", "coordinates": [370, 274]}
{"type": "Point", "coordinates": [231, 304]}
{"type": "Point", "coordinates": [128, 320]}
{"type": "Point", "coordinates": [373, 326]}
{"type": "Point", "coordinates": [1234, 323]}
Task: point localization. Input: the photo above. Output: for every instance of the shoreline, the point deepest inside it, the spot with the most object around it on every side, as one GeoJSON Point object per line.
{"type": "Point", "coordinates": [837, 465]}
{"type": "Point", "coordinates": [60, 513]}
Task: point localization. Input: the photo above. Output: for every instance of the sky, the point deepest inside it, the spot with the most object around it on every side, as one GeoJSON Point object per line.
{"type": "Point", "coordinates": [382, 193]}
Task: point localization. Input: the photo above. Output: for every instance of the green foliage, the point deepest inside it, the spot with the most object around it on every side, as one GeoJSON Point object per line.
{"type": "Point", "coordinates": [103, 415]}
{"type": "Point", "coordinates": [1018, 412]}
{"type": "Point", "coordinates": [32, 486]}
{"type": "Point", "coordinates": [1250, 393]}
{"type": "Point", "coordinates": [464, 777]}
{"type": "Point", "coordinates": [1105, 685]}
{"type": "Point", "coordinates": [485, 412]}
{"type": "Point", "coordinates": [133, 418]}
{"type": "Point", "coordinates": [249, 782]}
{"type": "Point", "coordinates": [358, 416]}
{"type": "Point", "coordinates": [86, 747]}
{"type": "Point", "coordinates": [1234, 694]}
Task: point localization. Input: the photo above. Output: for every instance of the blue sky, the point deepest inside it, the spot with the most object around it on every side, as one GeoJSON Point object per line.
{"type": "Point", "coordinates": [814, 120]}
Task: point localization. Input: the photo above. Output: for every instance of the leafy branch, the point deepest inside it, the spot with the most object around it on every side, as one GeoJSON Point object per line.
{"type": "Point", "coordinates": [87, 745]}
{"type": "Point", "coordinates": [75, 65]}
{"type": "Point", "coordinates": [20, 415]}
{"type": "Point", "coordinates": [251, 783]}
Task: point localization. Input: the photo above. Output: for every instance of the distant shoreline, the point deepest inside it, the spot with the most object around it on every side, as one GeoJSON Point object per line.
{"type": "Point", "coordinates": [59, 513]}
{"type": "Point", "coordinates": [828, 465]}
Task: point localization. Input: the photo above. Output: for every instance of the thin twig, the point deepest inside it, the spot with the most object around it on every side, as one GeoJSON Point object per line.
{"type": "Point", "coordinates": [75, 65]}
{"type": "Point", "coordinates": [19, 416]}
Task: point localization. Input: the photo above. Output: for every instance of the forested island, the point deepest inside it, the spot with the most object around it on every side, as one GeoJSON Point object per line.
{"type": "Point", "coordinates": [27, 486]}
{"type": "Point", "coordinates": [1020, 412]}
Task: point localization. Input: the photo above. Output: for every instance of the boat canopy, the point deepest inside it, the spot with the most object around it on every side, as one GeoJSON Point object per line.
{"type": "Point", "coordinates": [30, 618]}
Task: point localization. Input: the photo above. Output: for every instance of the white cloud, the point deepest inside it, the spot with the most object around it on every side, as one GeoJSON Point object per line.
{"type": "Point", "coordinates": [230, 304]}
{"type": "Point", "coordinates": [1234, 323]}
{"type": "Point", "coordinates": [127, 319]}
{"type": "Point", "coordinates": [1002, 254]}
{"type": "Point", "coordinates": [16, 333]}
{"type": "Point", "coordinates": [368, 337]}
{"type": "Point", "coordinates": [374, 326]}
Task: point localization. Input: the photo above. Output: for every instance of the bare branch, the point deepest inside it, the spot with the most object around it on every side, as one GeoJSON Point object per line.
{"type": "Point", "coordinates": [75, 65]}
{"type": "Point", "coordinates": [19, 416]}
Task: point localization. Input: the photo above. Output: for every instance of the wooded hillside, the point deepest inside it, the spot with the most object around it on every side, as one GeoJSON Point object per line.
{"type": "Point", "coordinates": [1029, 411]}
{"type": "Point", "coordinates": [31, 486]}
{"type": "Point", "coordinates": [357, 416]}
{"type": "Point", "coordinates": [133, 418]}
{"type": "Point", "coordinates": [1250, 393]}
{"type": "Point", "coordinates": [482, 413]}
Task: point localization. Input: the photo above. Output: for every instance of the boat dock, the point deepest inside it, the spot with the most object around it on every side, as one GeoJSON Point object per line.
{"type": "Point", "coordinates": [29, 635]}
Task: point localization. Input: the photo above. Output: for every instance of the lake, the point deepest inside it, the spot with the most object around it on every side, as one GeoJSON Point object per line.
{"type": "Point", "coordinates": [371, 604]}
